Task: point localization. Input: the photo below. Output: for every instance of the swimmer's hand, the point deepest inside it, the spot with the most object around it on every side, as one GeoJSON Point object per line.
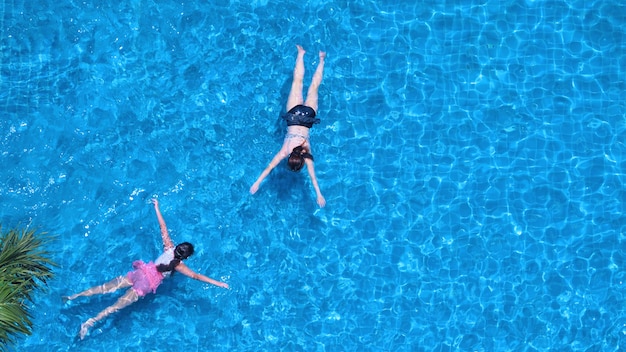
{"type": "Point", "coordinates": [321, 201]}
{"type": "Point", "coordinates": [254, 188]}
{"type": "Point", "coordinates": [221, 284]}
{"type": "Point", "coordinates": [155, 202]}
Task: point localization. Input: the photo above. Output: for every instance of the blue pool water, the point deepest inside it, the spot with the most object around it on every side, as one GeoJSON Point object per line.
{"type": "Point", "coordinates": [472, 155]}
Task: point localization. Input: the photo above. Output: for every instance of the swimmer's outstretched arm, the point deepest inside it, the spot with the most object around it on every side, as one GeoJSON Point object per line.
{"type": "Point", "coordinates": [321, 201]}
{"type": "Point", "coordinates": [165, 236]}
{"type": "Point", "coordinates": [275, 161]}
{"type": "Point", "coordinates": [184, 269]}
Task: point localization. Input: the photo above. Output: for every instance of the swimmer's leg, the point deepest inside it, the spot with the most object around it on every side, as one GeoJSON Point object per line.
{"type": "Point", "coordinates": [111, 286]}
{"type": "Point", "coordinates": [311, 95]}
{"type": "Point", "coordinates": [295, 94]}
{"type": "Point", "coordinates": [127, 299]}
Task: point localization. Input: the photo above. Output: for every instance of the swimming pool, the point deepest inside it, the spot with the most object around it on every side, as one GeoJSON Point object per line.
{"type": "Point", "coordinates": [471, 154]}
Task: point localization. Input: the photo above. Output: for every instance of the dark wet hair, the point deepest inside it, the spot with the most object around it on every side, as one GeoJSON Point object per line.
{"type": "Point", "coordinates": [181, 252]}
{"type": "Point", "coordinates": [296, 158]}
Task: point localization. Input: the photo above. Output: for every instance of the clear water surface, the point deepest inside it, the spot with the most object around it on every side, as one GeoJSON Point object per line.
{"type": "Point", "coordinates": [472, 154]}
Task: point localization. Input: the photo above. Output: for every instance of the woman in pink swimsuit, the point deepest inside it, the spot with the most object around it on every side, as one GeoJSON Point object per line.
{"type": "Point", "coordinates": [145, 277]}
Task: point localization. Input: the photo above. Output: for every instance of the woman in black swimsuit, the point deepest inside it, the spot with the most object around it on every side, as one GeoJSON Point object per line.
{"type": "Point", "coordinates": [300, 117]}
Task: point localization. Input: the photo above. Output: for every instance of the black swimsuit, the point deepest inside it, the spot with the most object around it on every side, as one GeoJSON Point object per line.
{"type": "Point", "coordinates": [301, 115]}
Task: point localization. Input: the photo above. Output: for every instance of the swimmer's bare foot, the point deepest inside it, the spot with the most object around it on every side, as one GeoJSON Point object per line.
{"type": "Point", "coordinates": [84, 328]}
{"type": "Point", "coordinates": [301, 50]}
{"type": "Point", "coordinates": [69, 298]}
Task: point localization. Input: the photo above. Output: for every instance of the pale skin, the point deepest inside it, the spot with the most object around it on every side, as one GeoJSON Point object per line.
{"type": "Point", "coordinates": [302, 132]}
{"type": "Point", "coordinates": [131, 295]}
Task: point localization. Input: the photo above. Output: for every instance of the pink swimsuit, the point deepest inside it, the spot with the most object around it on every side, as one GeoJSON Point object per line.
{"type": "Point", "coordinates": [145, 277]}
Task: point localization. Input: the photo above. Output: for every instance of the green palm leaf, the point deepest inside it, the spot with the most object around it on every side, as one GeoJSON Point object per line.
{"type": "Point", "coordinates": [24, 269]}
